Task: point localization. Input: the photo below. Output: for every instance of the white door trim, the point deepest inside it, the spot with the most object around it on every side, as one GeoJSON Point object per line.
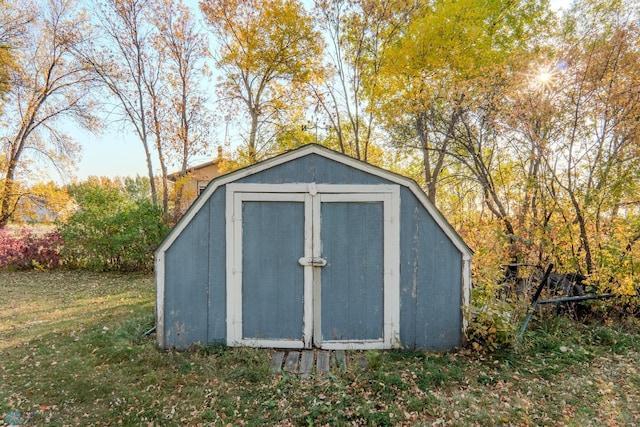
{"type": "Point", "coordinates": [312, 195]}
{"type": "Point", "coordinates": [234, 268]}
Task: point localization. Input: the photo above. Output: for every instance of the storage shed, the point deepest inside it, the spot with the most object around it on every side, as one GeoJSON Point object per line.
{"type": "Point", "coordinates": [308, 249]}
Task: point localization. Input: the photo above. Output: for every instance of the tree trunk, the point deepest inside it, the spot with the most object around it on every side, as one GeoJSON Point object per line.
{"type": "Point", "coordinates": [253, 152]}
{"type": "Point", "coordinates": [17, 146]}
{"type": "Point", "coordinates": [152, 182]}
{"type": "Point", "coordinates": [584, 238]}
{"type": "Point", "coordinates": [163, 166]}
{"type": "Point", "coordinates": [5, 208]}
{"type": "Point", "coordinates": [432, 172]}
{"type": "Point", "coordinates": [423, 136]}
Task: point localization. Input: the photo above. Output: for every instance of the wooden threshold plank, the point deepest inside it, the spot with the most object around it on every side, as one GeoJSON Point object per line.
{"type": "Point", "coordinates": [306, 363]}
{"type": "Point", "coordinates": [291, 364]}
{"type": "Point", "coordinates": [275, 367]}
{"type": "Point", "coordinates": [362, 362]}
{"type": "Point", "coordinates": [322, 364]}
{"type": "Point", "coordinates": [341, 359]}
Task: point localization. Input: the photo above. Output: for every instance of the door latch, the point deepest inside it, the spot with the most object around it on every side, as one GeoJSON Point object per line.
{"type": "Point", "coordinates": [312, 261]}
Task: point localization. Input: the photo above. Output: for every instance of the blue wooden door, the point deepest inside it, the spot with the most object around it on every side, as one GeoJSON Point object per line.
{"type": "Point", "coordinates": [272, 279]}
{"type": "Point", "coordinates": [352, 280]}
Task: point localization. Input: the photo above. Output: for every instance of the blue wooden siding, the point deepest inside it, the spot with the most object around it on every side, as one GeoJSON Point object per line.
{"type": "Point", "coordinates": [430, 271]}
{"type": "Point", "coordinates": [217, 279]}
{"type": "Point", "coordinates": [430, 281]}
{"type": "Point", "coordinates": [313, 168]}
{"type": "Point", "coordinates": [352, 281]}
{"type": "Point", "coordinates": [272, 278]}
{"type": "Point", "coordinates": [186, 276]}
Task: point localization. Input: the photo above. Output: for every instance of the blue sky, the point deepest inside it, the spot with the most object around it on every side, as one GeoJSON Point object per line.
{"type": "Point", "coordinates": [117, 152]}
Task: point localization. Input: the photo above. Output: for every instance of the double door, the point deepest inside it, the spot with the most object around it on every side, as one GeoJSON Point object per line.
{"type": "Point", "coordinates": [312, 265]}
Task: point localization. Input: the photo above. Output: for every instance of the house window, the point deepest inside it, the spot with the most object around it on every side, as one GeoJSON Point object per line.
{"type": "Point", "coordinates": [201, 187]}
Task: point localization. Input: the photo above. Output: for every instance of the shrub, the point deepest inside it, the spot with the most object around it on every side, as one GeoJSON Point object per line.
{"type": "Point", "coordinates": [492, 326]}
{"type": "Point", "coordinates": [493, 322]}
{"type": "Point", "coordinates": [25, 249]}
{"type": "Point", "coordinates": [111, 230]}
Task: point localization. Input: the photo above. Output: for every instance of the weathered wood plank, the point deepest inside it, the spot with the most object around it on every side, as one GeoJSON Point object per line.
{"type": "Point", "coordinates": [306, 363]}
{"type": "Point", "coordinates": [291, 364]}
{"type": "Point", "coordinates": [322, 364]}
{"type": "Point", "coordinates": [271, 232]}
{"type": "Point", "coordinates": [341, 359]}
{"type": "Point", "coordinates": [362, 362]}
{"type": "Point", "coordinates": [275, 367]}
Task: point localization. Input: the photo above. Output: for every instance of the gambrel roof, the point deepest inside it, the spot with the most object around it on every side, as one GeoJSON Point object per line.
{"type": "Point", "coordinates": [329, 154]}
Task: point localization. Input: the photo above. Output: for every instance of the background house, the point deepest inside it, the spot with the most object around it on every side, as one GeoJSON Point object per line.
{"type": "Point", "coordinates": [195, 179]}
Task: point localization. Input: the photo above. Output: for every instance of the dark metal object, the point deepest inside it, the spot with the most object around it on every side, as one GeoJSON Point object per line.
{"type": "Point", "coordinates": [576, 299]}
{"type": "Point", "coordinates": [149, 332]}
{"type": "Point", "coordinates": [534, 301]}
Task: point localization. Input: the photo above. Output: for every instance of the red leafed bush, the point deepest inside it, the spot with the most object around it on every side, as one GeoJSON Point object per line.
{"type": "Point", "coordinates": [24, 249]}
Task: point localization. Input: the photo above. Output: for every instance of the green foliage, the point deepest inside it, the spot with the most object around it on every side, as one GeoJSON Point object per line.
{"type": "Point", "coordinates": [115, 227]}
{"type": "Point", "coordinates": [493, 322]}
{"type": "Point", "coordinates": [137, 188]}
{"type": "Point", "coordinates": [491, 327]}
{"type": "Point", "coordinates": [269, 54]}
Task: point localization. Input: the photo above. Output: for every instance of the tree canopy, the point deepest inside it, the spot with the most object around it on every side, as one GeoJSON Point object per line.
{"type": "Point", "coordinates": [521, 123]}
{"type": "Point", "coordinates": [269, 51]}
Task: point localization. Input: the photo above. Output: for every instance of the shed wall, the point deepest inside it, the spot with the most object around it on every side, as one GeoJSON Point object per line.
{"type": "Point", "coordinates": [430, 274]}
{"type": "Point", "coordinates": [186, 272]}
{"type": "Point", "coordinates": [430, 270]}
{"type": "Point", "coordinates": [216, 279]}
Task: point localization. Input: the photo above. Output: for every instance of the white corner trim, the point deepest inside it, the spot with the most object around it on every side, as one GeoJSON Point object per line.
{"type": "Point", "coordinates": [392, 268]}
{"type": "Point", "coordinates": [466, 289]}
{"type": "Point", "coordinates": [160, 298]}
{"type": "Point", "coordinates": [234, 275]}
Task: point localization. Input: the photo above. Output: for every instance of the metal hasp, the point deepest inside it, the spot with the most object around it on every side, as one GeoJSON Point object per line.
{"type": "Point", "coordinates": [314, 262]}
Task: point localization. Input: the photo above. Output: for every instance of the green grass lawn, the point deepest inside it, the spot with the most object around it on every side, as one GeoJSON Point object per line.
{"type": "Point", "coordinates": [72, 353]}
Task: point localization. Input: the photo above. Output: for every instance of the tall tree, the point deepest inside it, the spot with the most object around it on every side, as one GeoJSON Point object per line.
{"type": "Point", "coordinates": [187, 120]}
{"type": "Point", "coordinates": [447, 80]}
{"type": "Point", "coordinates": [358, 33]}
{"type": "Point", "coordinates": [48, 83]}
{"type": "Point", "coordinates": [13, 22]}
{"type": "Point", "coordinates": [123, 60]}
{"type": "Point", "coordinates": [451, 54]}
{"type": "Point", "coordinates": [596, 158]}
{"type": "Point", "coordinates": [531, 125]}
{"type": "Point", "coordinates": [268, 53]}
